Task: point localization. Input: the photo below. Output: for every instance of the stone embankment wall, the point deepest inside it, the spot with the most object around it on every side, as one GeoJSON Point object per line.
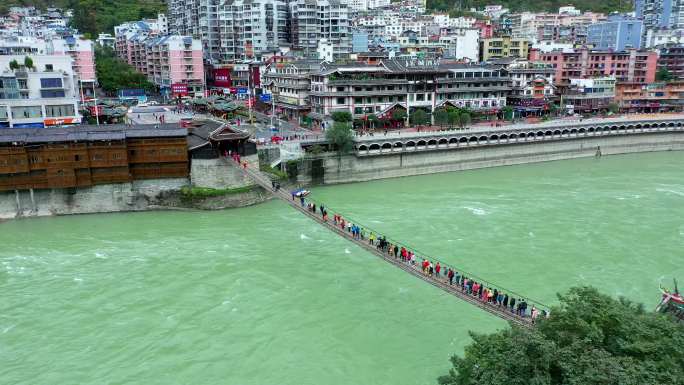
{"type": "Point", "coordinates": [134, 196]}
{"type": "Point", "coordinates": [352, 168]}
{"type": "Point", "coordinates": [219, 173]}
{"type": "Point", "coordinates": [151, 194]}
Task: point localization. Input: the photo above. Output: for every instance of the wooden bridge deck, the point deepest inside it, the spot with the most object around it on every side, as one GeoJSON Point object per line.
{"type": "Point", "coordinates": [415, 270]}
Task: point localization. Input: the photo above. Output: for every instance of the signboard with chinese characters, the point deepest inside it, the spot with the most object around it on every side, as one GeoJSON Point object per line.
{"type": "Point", "coordinates": [179, 89]}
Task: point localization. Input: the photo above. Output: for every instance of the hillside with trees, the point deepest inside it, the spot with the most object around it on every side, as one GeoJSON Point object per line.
{"type": "Point", "coordinates": [589, 339]}
{"type": "Point", "coordinates": [95, 16]}
{"type": "Point", "coordinates": [458, 7]}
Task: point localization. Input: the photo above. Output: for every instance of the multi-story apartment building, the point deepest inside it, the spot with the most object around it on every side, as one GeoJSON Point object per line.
{"type": "Point", "coordinates": [82, 52]}
{"type": "Point", "coordinates": [625, 66]}
{"type": "Point", "coordinates": [532, 86]}
{"type": "Point", "coordinates": [651, 97]}
{"type": "Point", "coordinates": [199, 19]}
{"type": "Point", "coordinates": [175, 60]}
{"type": "Point", "coordinates": [672, 60]}
{"type": "Point", "coordinates": [617, 33]}
{"type": "Point", "coordinates": [313, 20]}
{"type": "Point", "coordinates": [290, 84]}
{"type": "Point", "coordinates": [461, 44]}
{"type": "Point", "coordinates": [660, 14]}
{"type": "Point", "coordinates": [167, 60]}
{"type": "Point", "coordinates": [505, 46]}
{"type": "Point", "coordinates": [363, 89]}
{"type": "Point", "coordinates": [251, 28]}
{"type": "Point", "coordinates": [41, 96]}
{"type": "Point", "coordinates": [589, 95]}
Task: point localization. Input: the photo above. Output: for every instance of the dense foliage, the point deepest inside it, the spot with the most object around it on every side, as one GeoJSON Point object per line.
{"type": "Point", "coordinates": [95, 16]}
{"type": "Point", "coordinates": [456, 6]}
{"type": "Point", "coordinates": [341, 137]}
{"type": "Point", "coordinates": [589, 339]}
{"type": "Point", "coordinates": [113, 74]}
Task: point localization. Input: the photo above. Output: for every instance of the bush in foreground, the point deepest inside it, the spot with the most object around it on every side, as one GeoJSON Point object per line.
{"type": "Point", "coordinates": [590, 338]}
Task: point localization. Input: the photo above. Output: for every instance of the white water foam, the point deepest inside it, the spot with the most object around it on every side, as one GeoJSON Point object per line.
{"type": "Point", "coordinates": [346, 251]}
{"type": "Point", "coordinates": [675, 192]}
{"type": "Point", "coordinates": [476, 210]}
{"type": "Point", "coordinates": [302, 237]}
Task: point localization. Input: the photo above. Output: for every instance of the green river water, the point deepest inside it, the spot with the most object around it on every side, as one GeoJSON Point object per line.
{"type": "Point", "coordinates": [262, 295]}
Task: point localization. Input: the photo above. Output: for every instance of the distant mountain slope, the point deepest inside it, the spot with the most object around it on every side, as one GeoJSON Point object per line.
{"type": "Point", "coordinates": [95, 16]}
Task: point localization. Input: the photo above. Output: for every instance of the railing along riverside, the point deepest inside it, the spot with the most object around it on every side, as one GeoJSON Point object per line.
{"type": "Point", "coordinates": [440, 281]}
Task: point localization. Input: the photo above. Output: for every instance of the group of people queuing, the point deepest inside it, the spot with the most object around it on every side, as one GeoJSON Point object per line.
{"type": "Point", "coordinates": [435, 270]}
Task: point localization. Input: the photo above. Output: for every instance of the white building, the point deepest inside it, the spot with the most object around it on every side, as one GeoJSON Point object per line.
{"type": "Point", "coordinates": [106, 40]}
{"type": "Point", "coordinates": [313, 20]}
{"type": "Point", "coordinates": [251, 28]}
{"type": "Point", "coordinates": [569, 10]}
{"type": "Point", "coordinates": [41, 96]}
{"type": "Point", "coordinates": [325, 51]}
{"type": "Point", "coordinates": [658, 38]}
{"type": "Point", "coordinates": [549, 46]}
{"type": "Point", "coordinates": [465, 44]}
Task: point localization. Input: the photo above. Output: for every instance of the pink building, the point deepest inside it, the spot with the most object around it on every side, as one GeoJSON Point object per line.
{"type": "Point", "coordinates": [173, 60]}
{"type": "Point", "coordinates": [83, 55]}
{"type": "Point", "coordinates": [628, 66]}
{"type": "Point", "coordinates": [166, 60]}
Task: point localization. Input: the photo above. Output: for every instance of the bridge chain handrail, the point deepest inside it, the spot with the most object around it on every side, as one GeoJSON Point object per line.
{"type": "Point", "coordinates": [439, 282]}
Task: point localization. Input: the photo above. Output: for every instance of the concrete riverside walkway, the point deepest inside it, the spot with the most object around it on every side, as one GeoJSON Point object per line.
{"type": "Point", "coordinates": [440, 281]}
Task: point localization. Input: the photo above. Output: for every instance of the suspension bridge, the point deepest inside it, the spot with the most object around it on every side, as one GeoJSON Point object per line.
{"type": "Point", "coordinates": [440, 281]}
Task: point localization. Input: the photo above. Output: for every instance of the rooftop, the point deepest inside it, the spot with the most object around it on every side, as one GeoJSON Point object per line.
{"type": "Point", "coordinates": [89, 133]}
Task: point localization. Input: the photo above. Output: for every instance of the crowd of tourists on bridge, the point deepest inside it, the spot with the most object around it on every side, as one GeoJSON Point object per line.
{"type": "Point", "coordinates": [432, 269]}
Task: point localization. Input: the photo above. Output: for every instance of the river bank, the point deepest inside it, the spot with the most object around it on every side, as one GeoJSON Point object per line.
{"type": "Point", "coordinates": [326, 169]}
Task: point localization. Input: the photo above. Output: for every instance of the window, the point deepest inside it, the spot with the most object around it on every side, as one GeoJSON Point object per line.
{"type": "Point", "coordinates": [358, 100]}
{"type": "Point", "coordinates": [340, 100]}
{"type": "Point", "coordinates": [27, 112]}
{"type": "Point", "coordinates": [52, 93]}
{"type": "Point", "coordinates": [358, 110]}
{"type": "Point", "coordinates": [48, 68]}
{"type": "Point", "coordinates": [59, 110]}
{"type": "Point", "coordinates": [50, 83]}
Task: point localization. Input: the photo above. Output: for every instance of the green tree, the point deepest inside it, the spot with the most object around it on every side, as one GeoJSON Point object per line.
{"type": "Point", "coordinates": [613, 108]}
{"type": "Point", "coordinates": [463, 119]}
{"type": "Point", "coordinates": [663, 75]}
{"type": "Point", "coordinates": [590, 338]}
{"type": "Point", "coordinates": [507, 112]}
{"type": "Point", "coordinates": [399, 114]}
{"type": "Point", "coordinates": [441, 117]}
{"type": "Point", "coordinates": [454, 116]}
{"type": "Point", "coordinates": [419, 117]}
{"type": "Point", "coordinates": [14, 65]}
{"type": "Point", "coordinates": [292, 169]}
{"type": "Point", "coordinates": [340, 136]}
{"type": "Point", "coordinates": [373, 119]}
{"type": "Point", "coordinates": [341, 116]}
{"type": "Point", "coordinates": [28, 62]}
{"type": "Point", "coordinates": [113, 74]}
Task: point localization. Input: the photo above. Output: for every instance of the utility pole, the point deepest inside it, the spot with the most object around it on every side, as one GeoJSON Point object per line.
{"type": "Point", "coordinates": [273, 109]}
{"type": "Point", "coordinates": [97, 109]}
{"type": "Point", "coordinates": [249, 92]}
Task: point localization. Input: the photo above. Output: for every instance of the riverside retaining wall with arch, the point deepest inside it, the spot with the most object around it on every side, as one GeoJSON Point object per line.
{"type": "Point", "coordinates": [415, 154]}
